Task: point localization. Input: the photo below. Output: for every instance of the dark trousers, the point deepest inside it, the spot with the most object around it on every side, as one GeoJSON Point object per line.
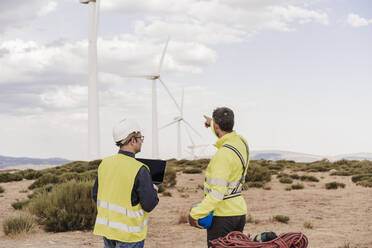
{"type": "Point", "coordinates": [222, 225]}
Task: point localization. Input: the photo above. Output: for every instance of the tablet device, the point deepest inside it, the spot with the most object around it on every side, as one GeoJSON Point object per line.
{"type": "Point", "coordinates": [157, 169]}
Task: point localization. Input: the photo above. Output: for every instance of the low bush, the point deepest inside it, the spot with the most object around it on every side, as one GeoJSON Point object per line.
{"type": "Point", "coordinates": [294, 176]}
{"type": "Point", "coordinates": [255, 184]}
{"type": "Point", "coordinates": [281, 218]}
{"type": "Point", "coordinates": [31, 174]}
{"type": "Point", "coordinates": [18, 205]}
{"type": "Point", "coordinates": [192, 171]}
{"type": "Point", "coordinates": [167, 193]}
{"type": "Point", "coordinates": [22, 223]}
{"type": "Point", "coordinates": [170, 177]}
{"type": "Point", "coordinates": [67, 207]}
{"type": "Point", "coordinates": [334, 185]}
{"type": "Point", "coordinates": [2, 190]}
{"type": "Point", "coordinates": [286, 180]}
{"type": "Point", "coordinates": [308, 225]}
{"type": "Point", "coordinates": [44, 180]}
{"type": "Point", "coordinates": [249, 219]}
{"type": "Point", "coordinates": [297, 186]}
{"type": "Point", "coordinates": [309, 178]}
{"type": "Point", "coordinates": [257, 173]}
{"type": "Point", "coordinates": [183, 217]}
{"type": "Point", "coordinates": [9, 177]}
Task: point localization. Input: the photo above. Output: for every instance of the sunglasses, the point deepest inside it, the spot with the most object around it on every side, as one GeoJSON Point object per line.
{"type": "Point", "coordinates": [139, 137]}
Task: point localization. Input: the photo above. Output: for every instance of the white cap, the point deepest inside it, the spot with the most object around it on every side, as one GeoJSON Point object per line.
{"type": "Point", "coordinates": [124, 128]}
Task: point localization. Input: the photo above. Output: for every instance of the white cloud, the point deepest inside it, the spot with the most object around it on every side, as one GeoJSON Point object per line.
{"type": "Point", "coordinates": [356, 21]}
{"type": "Point", "coordinates": [47, 8]}
{"type": "Point", "coordinates": [214, 22]}
{"type": "Point", "coordinates": [17, 13]}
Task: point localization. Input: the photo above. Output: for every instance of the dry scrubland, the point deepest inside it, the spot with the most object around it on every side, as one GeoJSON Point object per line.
{"type": "Point", "coordinates": [331, 203]}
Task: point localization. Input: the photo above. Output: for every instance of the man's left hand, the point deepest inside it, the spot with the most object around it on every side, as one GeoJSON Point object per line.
{"type": "Point", "coordinates": [194, 223]}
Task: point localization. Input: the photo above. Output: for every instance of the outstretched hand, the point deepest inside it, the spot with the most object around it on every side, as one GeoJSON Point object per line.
{"type": "Point", "coordinates": [207, 122]}
{"type": "Point", "coordinates": [194, 223]}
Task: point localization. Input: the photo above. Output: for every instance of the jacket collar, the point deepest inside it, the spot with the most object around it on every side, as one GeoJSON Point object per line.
{"type": "Point", "coordinates": [126, 153]}
{"type": "Point", "coordinates": [223, 139]}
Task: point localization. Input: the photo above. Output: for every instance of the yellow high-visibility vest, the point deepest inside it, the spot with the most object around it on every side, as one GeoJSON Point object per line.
{"type": "Point", "coordinates": [223, 179]}
{"type": "Point", "coordinates": [117, 219]}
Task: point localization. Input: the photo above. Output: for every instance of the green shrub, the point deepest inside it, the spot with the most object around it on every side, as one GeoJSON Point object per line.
{"type": "Point", "coordinates": [334, 185]}
{"type": "Point", "coordinates": [255, 184]}
{"type": "Point", "coordinates": [9, 177]}
{"type": "Point", "coordinates": [31, 174]}
{"type": "Point", "coordinates": [257, 173]}
{"type": "Point", "coordinates": [342, 173]}
{"type": "Point", "coordinates": [22, 223]}
{"type": "Point", "coordinates": [297, 186]}
{"type": "Point", "coordinates": [281, 218]}
{"type": "Point", "coordinates": [309, 178]}
{"type": "Point", "coordinates": [286, 180]}
{"type": "Point", "coordinates": [167, 193]}
{"type": "Point", "coordinates": [170, 177]}
{"type": "Point", "coordinates": [366, 183]}
{"type": "Point", "coordinates": [44, 180]}
{"type": "Point", "coordinates": [161, 188]}
{"type": "Point", "coordinates": [38, 191]}
{"type": "Point", "coordinates": [67, 207]}
{"type": "Point", "coordinates": [2, 190]}
{"type": "Point", "coordinates": [308, 225]}
{"type": "Point", "coordinates": [192, 171]}
{"type": "Point", "coordinates": [361, 177]}
{"type": "Point", "coordinates": [294, 176]}
{"type": "Point", "coordinates": [250, 219]}
{"type": "Point", "coordinates": [18, 205]}
{"type": "Point", "coordinates": [282, 174]}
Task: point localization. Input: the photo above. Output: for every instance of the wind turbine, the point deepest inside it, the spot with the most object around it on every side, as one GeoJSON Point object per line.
{"type": "Point", "coordinates": [154, 77]}
{"type": "Point", "coordinates": [177, 120]}
{"type": "Point", "coordinates": [93, 113]}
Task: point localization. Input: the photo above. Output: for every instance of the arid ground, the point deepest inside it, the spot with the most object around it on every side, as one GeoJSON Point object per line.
{"type": "Point", "coordinates": [340, 218]}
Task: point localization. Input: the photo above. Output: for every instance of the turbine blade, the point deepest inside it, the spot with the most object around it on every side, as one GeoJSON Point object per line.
{"type": "Point", "coordinates": [193, 129]}
{"type": "Point", "coordinates": [169, 124]}
{"type": "Point", "coordinates": [147, 76]}
{"type": "Point", "coordinates": [163, 55]}
{"type": "Point", "coordinates": [170, 94]}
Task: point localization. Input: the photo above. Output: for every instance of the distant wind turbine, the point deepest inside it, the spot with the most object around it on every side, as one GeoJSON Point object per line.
{"type": "Point", "coordinates": [153, 78]}
{"type": "Point", "coordinates": [177, 120]}
{"type": "Point", "coordinates": [93, 113]}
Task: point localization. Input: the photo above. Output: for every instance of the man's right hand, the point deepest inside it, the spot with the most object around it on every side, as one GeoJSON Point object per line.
{"type": "Point", "coordinates": [207, 122]}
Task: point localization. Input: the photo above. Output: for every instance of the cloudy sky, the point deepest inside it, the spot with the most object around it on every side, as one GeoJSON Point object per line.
{"type": "Point", "coordinates": [297, 73]}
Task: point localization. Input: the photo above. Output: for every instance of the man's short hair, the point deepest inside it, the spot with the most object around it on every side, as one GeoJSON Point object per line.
{"type": "Point", "coordinates": [126, 141]}
{"type": "Point", "coordinates": [224, 118]}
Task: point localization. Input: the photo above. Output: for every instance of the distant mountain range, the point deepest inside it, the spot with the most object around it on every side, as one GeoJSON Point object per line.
{"type": "Point", "coordinates": [35, 163]}
{"type": "Point", "coordinates": [303, 157]}
{"type": "Point", "coordinates": [40, 163]}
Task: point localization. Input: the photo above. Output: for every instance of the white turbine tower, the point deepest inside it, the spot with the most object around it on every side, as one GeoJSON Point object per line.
{"type": "Point", "coordinates": [153, 78]}
{"type": "Point", "coordinates": [178, 120]}
{"type": "Point", "coordinates": [93, 114]}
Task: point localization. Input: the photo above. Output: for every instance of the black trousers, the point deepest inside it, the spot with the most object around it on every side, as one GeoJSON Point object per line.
{"type": "Point", "coordinates": [222, 225]}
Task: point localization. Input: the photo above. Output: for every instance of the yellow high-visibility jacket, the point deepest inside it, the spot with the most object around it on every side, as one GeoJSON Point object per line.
{"type": "Point", "coordinates": [117, 219]}
{"type": "Point", "coordinates": [223, 174]}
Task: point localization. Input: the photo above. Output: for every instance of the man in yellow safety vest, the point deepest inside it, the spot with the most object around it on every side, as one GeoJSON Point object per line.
{"type": "Point", "coordinates": [124, 191]}
{"type": "Point", "coordinates": [224, 179]}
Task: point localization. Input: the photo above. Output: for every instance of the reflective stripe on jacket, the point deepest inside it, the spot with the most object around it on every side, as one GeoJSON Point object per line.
{"type": "Point", "coordinates": [117, 219]}
{"type": "Point", "coordinates": [223, 174]}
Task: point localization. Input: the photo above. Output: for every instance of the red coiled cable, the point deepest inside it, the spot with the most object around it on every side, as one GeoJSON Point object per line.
{"type": "Point", "coordinates": [240, 240]}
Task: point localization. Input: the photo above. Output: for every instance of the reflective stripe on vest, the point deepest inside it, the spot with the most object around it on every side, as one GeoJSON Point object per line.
{"type": "Point", "coordinates": [121, 210]}
{"type": "Point", "coordinates": [121, 226]}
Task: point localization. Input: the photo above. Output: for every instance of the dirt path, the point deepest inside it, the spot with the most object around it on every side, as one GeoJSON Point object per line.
{"type": "Point", "coordinates": [339, 217]}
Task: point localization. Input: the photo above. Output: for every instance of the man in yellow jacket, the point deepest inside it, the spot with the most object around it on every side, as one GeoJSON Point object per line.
{"type": "Point", "coordinates": [224, 179]}
{"type": "Point", "coordinates": [124, 191]}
